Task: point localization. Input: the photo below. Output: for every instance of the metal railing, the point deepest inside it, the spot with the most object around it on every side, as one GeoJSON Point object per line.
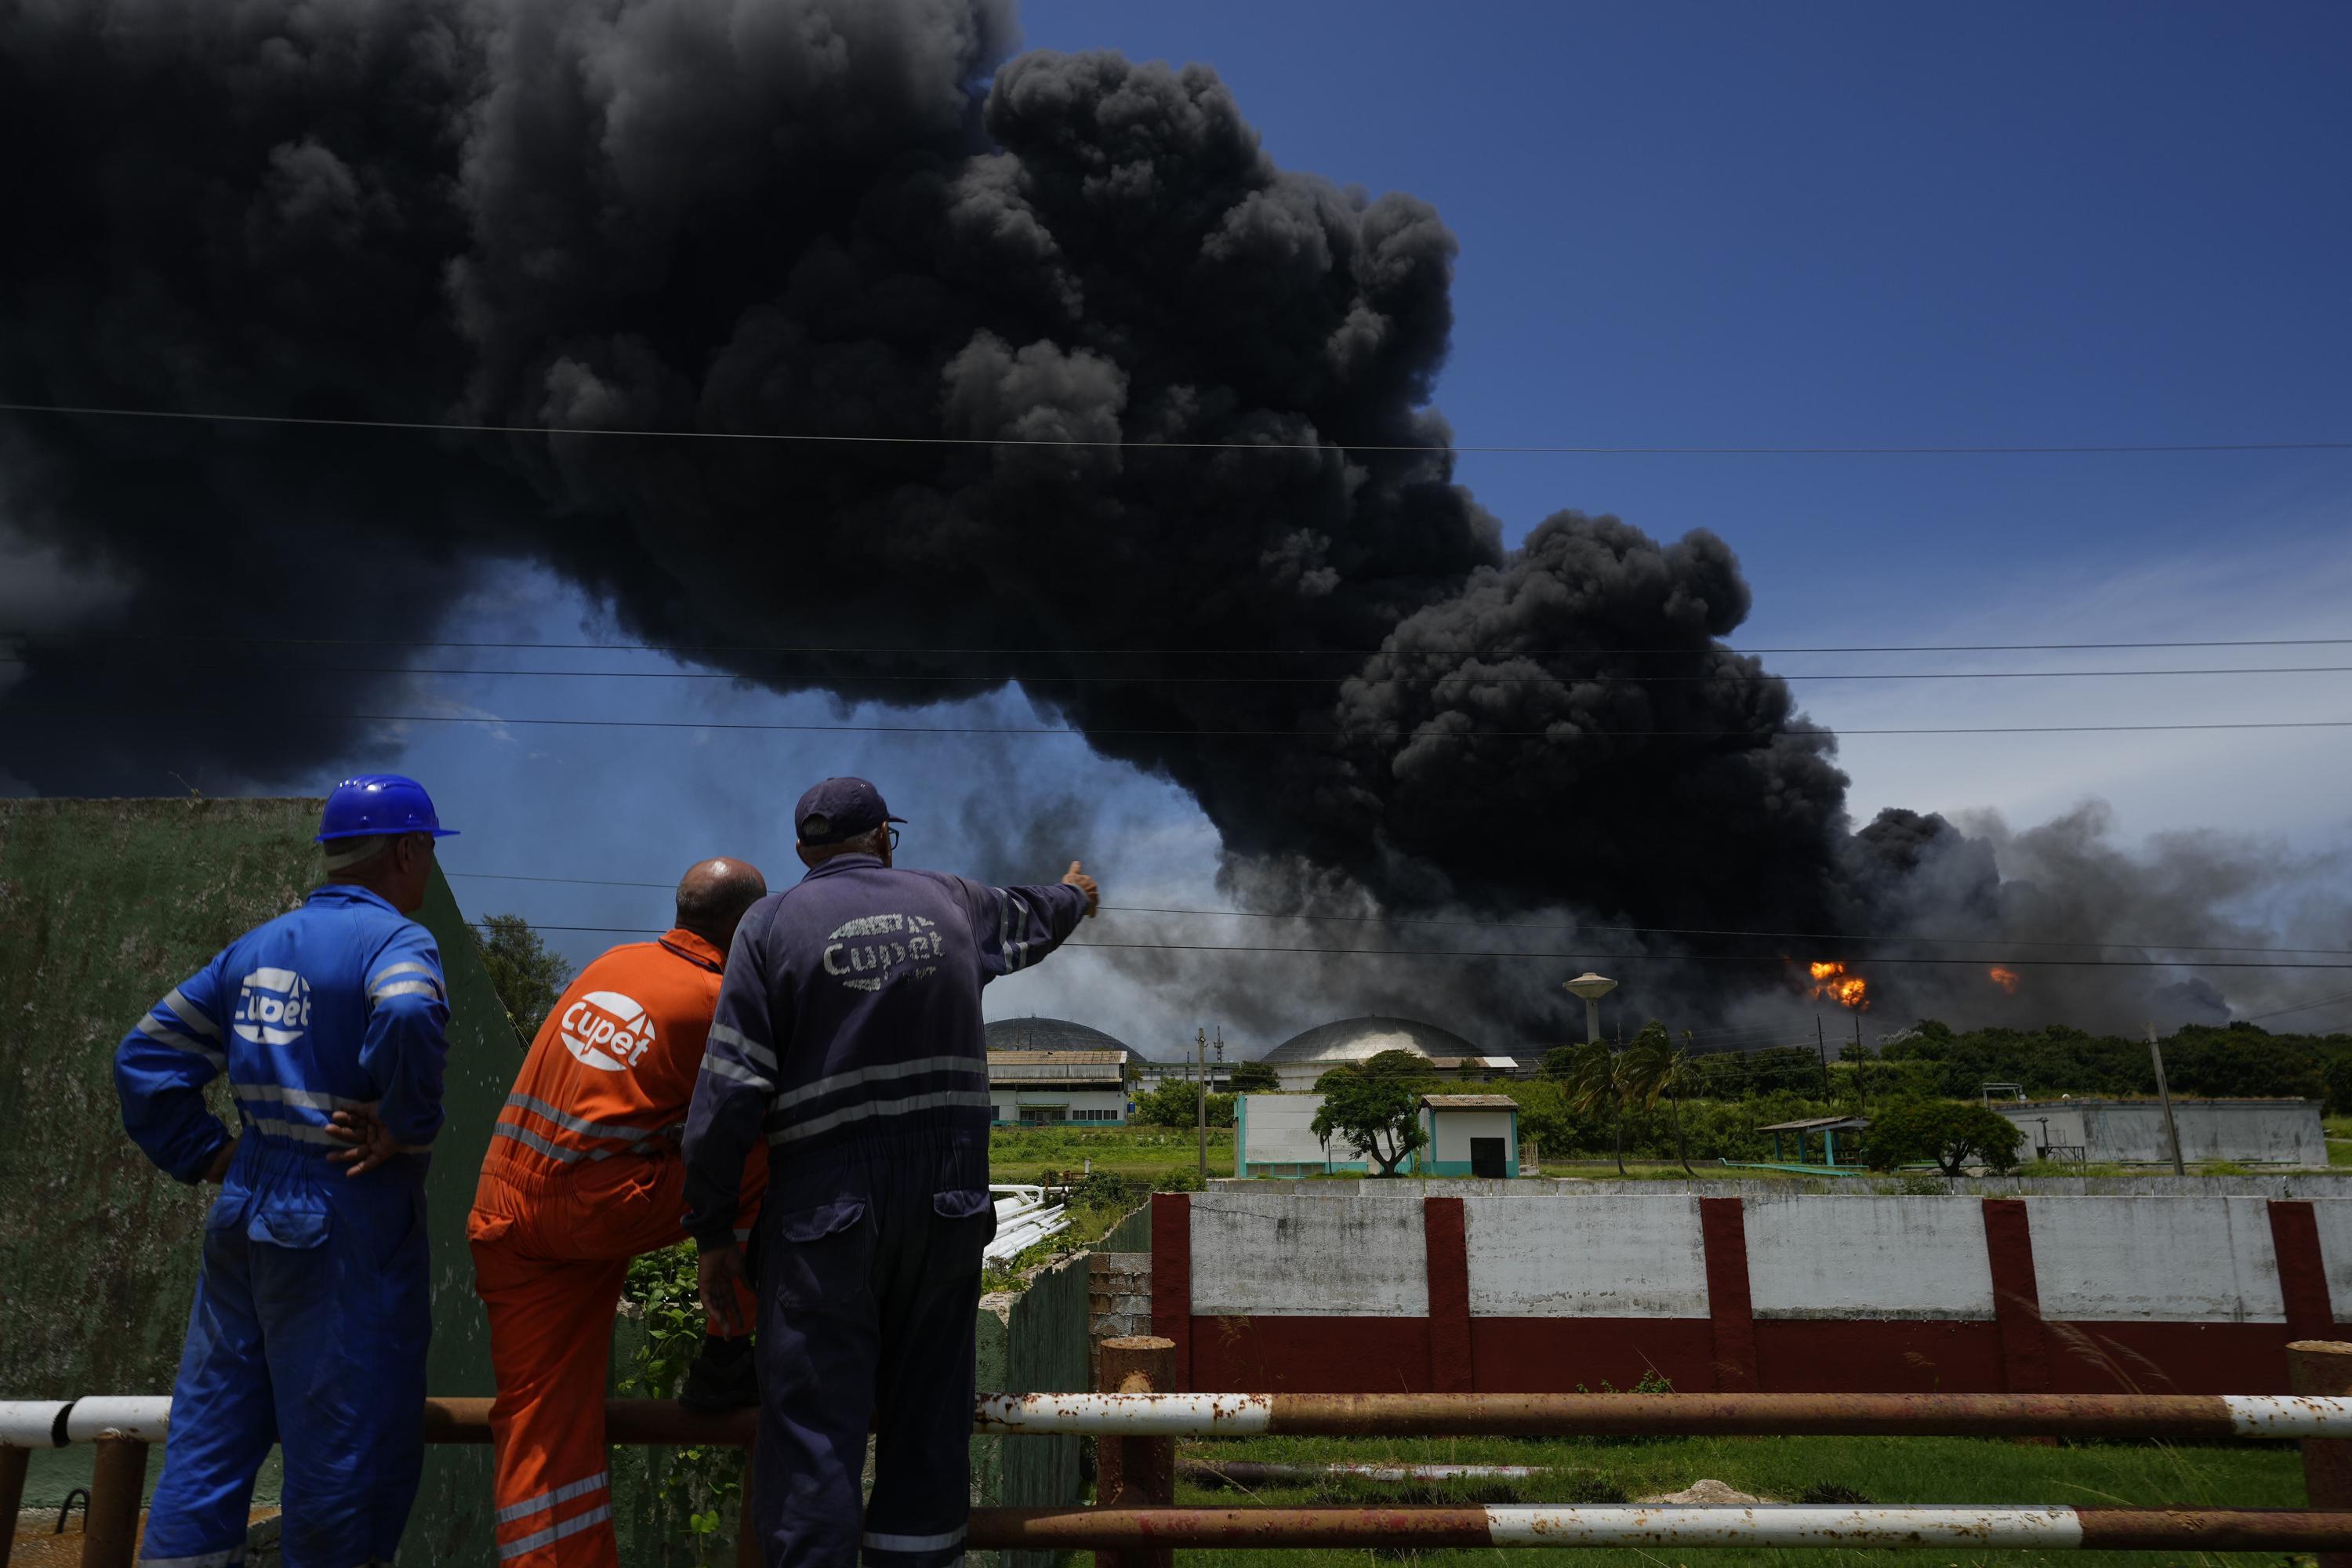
{"type": "Point", "coordinates": [1136, 1524]}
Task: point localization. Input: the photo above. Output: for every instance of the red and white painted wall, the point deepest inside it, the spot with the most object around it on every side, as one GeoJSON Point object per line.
{"type": "Point", "coordinates": [1374, 1289]}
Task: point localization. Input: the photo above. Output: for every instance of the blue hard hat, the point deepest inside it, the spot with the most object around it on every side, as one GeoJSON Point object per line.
{"type": "Point", "coordinates": [379, 803]}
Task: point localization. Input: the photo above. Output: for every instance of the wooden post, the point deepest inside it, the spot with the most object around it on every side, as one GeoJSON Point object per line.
{"type": "Point", "coordinates": [2324, 1367]}
{"type": "Point", "coordinates": [2171, 1127]}
{"type": "Point", "coordinates": [12, 1462]}
{"type": "Point", "coordinates": [1132, 1472]}
{"type": "Point", "coordinates": [751, 1551]}
{"type": "Point", "coordinates": [118, 1486]}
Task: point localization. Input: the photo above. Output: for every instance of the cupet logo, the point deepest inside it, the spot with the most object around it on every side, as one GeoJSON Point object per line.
{"type": "Point", "coordinates": [273, 1007]}
{"type": "Point", "coordinates": [608, 1030]}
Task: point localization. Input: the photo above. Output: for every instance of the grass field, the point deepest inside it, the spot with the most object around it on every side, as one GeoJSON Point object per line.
{"type": "Point", "coordinates": [1884, 1470]}
{"type": "Point", "coordinates": [1149, 1153]}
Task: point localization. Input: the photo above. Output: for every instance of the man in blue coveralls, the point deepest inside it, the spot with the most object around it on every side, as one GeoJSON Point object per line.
{"type": "Point", "coordinates": [310, 1320]}
{"type": "Point", "coordinates": [848, 1035]}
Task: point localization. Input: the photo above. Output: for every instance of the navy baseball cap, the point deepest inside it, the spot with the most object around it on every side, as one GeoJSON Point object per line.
{"type": "Point", "coordinates": [838, 809]}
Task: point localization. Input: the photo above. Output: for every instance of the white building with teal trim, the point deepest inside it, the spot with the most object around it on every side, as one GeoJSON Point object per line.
{"type": "Point", "coordinates": [1468, 1136]}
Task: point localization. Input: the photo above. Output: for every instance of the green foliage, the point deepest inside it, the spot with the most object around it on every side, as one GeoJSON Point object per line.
{"type": "Point", "coordinates": [1176, 1103]}
{"type": "Point", "coordinates": [1944, 1133]}
{"type": "Point", "coordinates": [662, 1295]}
{"type": "Point", "coordinates": [1254, 1078]}
{"type": "Point", "coordinates": [1374, 1108]}
{"type": "Point", "coordinates": [528, 977]}
{"type": "Point", "coordinates": [2233, 1061]}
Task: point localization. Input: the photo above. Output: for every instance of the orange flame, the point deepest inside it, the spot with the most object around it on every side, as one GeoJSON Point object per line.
{"type": "Point", "coordinates": [1832, 983]}
{"type": "Point", "coordinates": [2004, 978]}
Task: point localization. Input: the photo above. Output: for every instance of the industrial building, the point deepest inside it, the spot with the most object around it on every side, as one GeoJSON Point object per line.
{"type": "Point", "coordinates": [1304, 1058]}
{"type": "Point", "coordinates": [1469, 1135]}
{"type": "Point", "coordinates": [2131, 1132]}
{"type": "Point", "coordinates": [1273, 1136]}
{"type": "Point", "coordinates": [1049, 1087]}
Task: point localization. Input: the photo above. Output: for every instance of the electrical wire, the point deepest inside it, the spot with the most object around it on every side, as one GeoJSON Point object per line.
{"type": "Point", "coordinates": [1589, 957]}
{"type": "Point", "coordinates": [467, 428]}
{"type": "Point", "coordinates": [1549, 925]}
{"type": "Point", "coordinates": [30, 635]}
{"type": "Point", "coordinates": [1107, 732]}
{"type": "Point", "coordinates": [1035, 679]}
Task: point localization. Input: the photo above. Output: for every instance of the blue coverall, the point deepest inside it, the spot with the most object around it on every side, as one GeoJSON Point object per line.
{"type": "Point", "coordinates": [310, 1317]}
{"type": "Point", "coordinates": [848, 1035]}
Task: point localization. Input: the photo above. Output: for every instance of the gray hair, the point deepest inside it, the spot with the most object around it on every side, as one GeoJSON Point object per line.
{"type": "Point", "coordinates": [342, 854]}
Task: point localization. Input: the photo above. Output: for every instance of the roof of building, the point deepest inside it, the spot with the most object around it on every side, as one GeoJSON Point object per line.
{"type": "Point", "coordinates": [1469, 1102]}
{"type": "Point", "coordinates": [1500, 1064]}
{"type": "Point", "coordinates": [1360, 1039]}
{"type": "Point", "coordinates": [1818, 1124]}
{"type": "Point", "coordinates": [1057, 1058]}
{"type": "Point", "coordinates": [1054, 1034]}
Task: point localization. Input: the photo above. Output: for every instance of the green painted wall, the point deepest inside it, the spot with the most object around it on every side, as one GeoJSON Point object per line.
{"type": "Point", "coordinates": [104, 905]}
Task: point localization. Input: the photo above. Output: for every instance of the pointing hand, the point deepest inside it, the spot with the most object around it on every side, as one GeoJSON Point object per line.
{"type": "Point", "coordinates": [1085, 884]}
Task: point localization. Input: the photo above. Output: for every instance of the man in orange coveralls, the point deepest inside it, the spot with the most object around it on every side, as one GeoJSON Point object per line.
{"type": "Point", "coordinates": [583, 1174]}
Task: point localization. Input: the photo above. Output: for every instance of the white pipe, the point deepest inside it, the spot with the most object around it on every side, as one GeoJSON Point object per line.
{"type": "Point", "coordinates": [145, 1417]}
{"type": "Point", "coordinates": [1127, 1414]}
{"type": "Point", "coordinates": [30, 1422]}
{"type": "Point", "coordinates": [2289, 1416]}
{"type": "Point", "coordinates": [1780, 1525]}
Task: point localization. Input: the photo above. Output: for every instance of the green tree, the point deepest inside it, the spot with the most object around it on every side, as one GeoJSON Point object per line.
{"type": "Point", "coordinates": [1176, 1103]}
{"type": "Point", "coordinates": [1254, 1078]}
{"type": "Point", "coordinates": [528, 977]}
{"type": "Point", "coordinates": [1658, 1069]}
{"type": "Point", "coordinates": [1374, 1108]}
{"type": "Point", "coordinates": [1949, 1134]}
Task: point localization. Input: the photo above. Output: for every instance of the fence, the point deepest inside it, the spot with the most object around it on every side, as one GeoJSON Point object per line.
{"type": "Point", "coordinates": [1136, 1525]}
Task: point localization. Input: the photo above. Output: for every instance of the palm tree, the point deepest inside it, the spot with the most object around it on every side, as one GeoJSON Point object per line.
{"type": "Point", "coordinates": [1596, 1080]}
{"type": "Point", "coordinates": [1657, 1070]}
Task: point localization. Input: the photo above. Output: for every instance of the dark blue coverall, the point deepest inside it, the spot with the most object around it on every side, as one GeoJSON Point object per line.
{"type": "Point", "coordinates": [848, 1035]}
{"type": "Point", "coordinates": [311, 1316]}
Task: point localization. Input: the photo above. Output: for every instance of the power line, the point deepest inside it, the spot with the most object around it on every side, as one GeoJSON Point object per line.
{"type": "Point", "coordinates": [1587, 957]}
{"type": "Point", "coordinates": [1056, 678]}
{"type": "Point", "coordinates": [1384, 734]}
{"type": "Point", "coordinates": [30, 635]}
{"type": "Point", "coordinates": [1837, 937]}
{"type": "Point", "coordinates": [467, 428]}
{"type": "Point", "coordinates": [2300, 1007]}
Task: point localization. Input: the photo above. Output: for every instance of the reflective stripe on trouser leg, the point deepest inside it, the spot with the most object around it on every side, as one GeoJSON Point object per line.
{"type": "Point", "coordinates": [550, 1343]}
{"type": "Point", "coordinates": [223, 1421]}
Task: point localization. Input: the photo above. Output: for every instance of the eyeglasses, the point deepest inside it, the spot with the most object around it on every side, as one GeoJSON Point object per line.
{"type": "Point", "coordinates": [894, 838]}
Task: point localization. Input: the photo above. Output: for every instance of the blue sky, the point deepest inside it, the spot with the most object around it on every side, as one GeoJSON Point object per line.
{"type": "Point", "coordinates": [1718, 224]}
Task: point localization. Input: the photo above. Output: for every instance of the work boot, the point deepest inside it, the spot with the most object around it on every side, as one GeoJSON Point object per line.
{"type": "Point", "coordinates": [724, 1376]}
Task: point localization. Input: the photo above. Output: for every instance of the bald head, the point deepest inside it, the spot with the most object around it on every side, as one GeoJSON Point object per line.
{"type": "Point", "coordinates": [713, 895]}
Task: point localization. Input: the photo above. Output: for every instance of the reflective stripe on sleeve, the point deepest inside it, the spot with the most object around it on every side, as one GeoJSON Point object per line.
{"type": "Point", "coordinates": [851, 1079]}
{"type": "Point", "coordinates": [180, 1042]}
{"type": "Point", "coordinates": [406, 989]}
{"type": "Point", "coordinates": [411, 967]}
{"type": "Point", "coordinates": [719, 1067]}
{"type": "Point", "coordinates": [761, 1055]}
{"type": "Point", "coordinates": [301, 1131]}
{"type": "Point", "coordinates": [189, 1013]}
{"type": "Point", "coordinates": [793, 1131]}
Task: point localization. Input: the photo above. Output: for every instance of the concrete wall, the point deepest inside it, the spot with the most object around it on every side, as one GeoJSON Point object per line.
{"type": "Point", "coordinates": [1525, 1286]}
{"type": "Point", "coordinates": [104, 905]}
{"type": "Point", "coordinates": [2248, 1131]}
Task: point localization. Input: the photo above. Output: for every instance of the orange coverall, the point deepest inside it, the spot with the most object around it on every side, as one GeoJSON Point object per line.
{"type": "Point", "coordinates": [583, 1174]}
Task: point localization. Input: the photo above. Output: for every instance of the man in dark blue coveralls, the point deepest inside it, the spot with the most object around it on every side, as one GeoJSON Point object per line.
{"type": "Point", "coordinates": [848, 1035]}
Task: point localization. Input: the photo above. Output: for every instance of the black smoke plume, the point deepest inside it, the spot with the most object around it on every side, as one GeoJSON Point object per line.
{"type": "Point", "coordinates": [847, 218]}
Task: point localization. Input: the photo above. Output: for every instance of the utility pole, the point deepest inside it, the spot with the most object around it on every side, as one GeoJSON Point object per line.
{"type": "Point", "coordinates": [2171, 1127]}
{"type": "Point", "coordinates": [1202, 1103]}
{"type": "Point", "coordinates": [1861, 1068]}
{"type": "Point", "coordinates": [1822, 1050]}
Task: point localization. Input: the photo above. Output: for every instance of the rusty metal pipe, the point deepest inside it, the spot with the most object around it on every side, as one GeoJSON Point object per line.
{"type": "Point", "coordinates": [118, 1486]}
{"type": "Point", "coordinates": [1133, 1470]}
{"type": "Point", "coordinates": [2323, 1367]}
{"type": "Point", "coordinates": [1759, 1527]}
